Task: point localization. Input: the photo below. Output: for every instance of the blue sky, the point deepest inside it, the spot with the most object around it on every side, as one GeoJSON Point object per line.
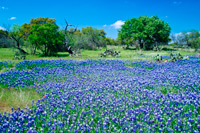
{"type": "Point", "coordinates": [182, 15]}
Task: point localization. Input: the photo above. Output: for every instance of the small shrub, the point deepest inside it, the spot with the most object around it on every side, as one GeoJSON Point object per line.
{"type": "Point", "coordinates": [164, 91]}
{"type": "Point", "coordinates": [174, 58]}
{"type": "Point", "coordinates": [158, 58]}
{"type": "Point", "coordinates": [19, 55]}
{"type": "Point", "coordinates": [157, 48]}
{"type": "Point", "coordinates": [110, 52]}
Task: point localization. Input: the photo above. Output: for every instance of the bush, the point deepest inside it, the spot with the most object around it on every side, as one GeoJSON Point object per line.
{"type": "Point", "coordinates": [6, 43]}
{"type": "Point", "coordinates": [173, 58]}
{"type": "Point", "coordinates": [19, 55]}
{"type": "Point", "coordinates": [110, 52]}
{"type": "Point", "coordinates": [157, 48]}
{"type": "Point", "coordinates": [158, 58]}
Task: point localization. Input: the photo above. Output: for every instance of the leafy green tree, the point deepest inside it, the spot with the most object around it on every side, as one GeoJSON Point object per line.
{"type": "Point", "coordinates": [46, 38]}
{"type": "Point", "coordinates": [190, 39]}
{"type": "Point", "coordinates": [110, 41]}
{"type": "Point", "coordinates": [186, 38]}
{"type": "Point", "coordinates": [27, 29]}
{"type": "Point", "coordinates": [42, 21]}
{"type": "Point", "coordinates": [147, 31]}
{"type": "Point", "coordinates": [16, 34]}
{"type": "Point", "coordinates": [3, 33]}
{"type": "Point", "coordinates": [95, 38]}
{"type": "Point", "coordinates": [194, 39]}
{"type": "Point", "coordinates": [70, 38]}
{"type": "Point", "coordinates": [5, 41]}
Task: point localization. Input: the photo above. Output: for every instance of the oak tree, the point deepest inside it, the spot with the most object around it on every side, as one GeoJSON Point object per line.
{"type": "Point", "coordinates": [147, 31]}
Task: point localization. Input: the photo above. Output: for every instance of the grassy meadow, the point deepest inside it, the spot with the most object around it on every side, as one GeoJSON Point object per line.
{"type": "Point", "coordinates": [87, 93]}
{"type": "Point", "coordinates": [7, 54]}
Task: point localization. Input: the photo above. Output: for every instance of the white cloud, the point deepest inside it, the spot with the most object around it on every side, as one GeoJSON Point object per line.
{"type": "Point", "coordinates": [1, 28]}
{"type": "Point", "coordinates": [177, 2]}
{"type": "Point", "coordinates": [104, 25]}
{"type": "Point", "coordinates": [117, 24]}
{"type": "Point", "coordinates": [12, 18]}
{"type": "Point", "coordinates": [3, 8]}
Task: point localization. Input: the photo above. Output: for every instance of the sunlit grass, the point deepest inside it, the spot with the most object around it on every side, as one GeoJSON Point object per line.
{"type": "Point", "coordinates": [125, 54]}
{"type": "Point", "coordinates": [15, 98]}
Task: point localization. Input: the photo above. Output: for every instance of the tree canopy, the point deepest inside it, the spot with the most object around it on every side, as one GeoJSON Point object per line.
{"type": "Point", "coordinates": [4, 39]}
{"type": "Point", "coordinates": [42, 33]}
{"type": "Point", "coordinates": [46, 37]}
{"type": "Point", "coordinates": [3, 33]}
{"type": "Point", "coordinates": [194, 39]}
{"type": "Point", "coordinates": [86, 38]}
{"type": "Point", "coordinates": [187, 39]}
{"type": "Point", "coordinates": [146, 31]}
{"type": "Point", "coordinates": [42, 20]}
{"type": "Point", "coordinates": [95, 37]}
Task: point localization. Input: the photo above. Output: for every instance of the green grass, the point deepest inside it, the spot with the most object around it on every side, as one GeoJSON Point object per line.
{"type": "Point", "coordinates": [8, 54]}
{"type": "Point", "coordinates": [17, 98]}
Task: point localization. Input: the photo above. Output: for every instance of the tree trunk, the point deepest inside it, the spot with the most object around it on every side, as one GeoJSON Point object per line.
{"type": "Point", "coordinates": [45, 49]}
{"type": "Point", "coordinates": [48, 51]}
{"type": "Point", "coordinates": [141, 45]}
{"type": "Point", "coordinates": [18, 44]}
{"type": "Point", "coordinates": [22, 51]}
{"type": "Point", "coordinates": [127, 46]}
{"type": "Point", "coordinates": [34, 51]}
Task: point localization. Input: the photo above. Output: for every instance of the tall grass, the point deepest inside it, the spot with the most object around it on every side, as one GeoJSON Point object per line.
{"type": "Point", "coordinates": [14, 98]}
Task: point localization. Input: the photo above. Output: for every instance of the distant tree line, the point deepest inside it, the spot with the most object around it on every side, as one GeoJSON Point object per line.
{"type": "Point", "coordinates": [187, 39]}
{"type": "Point", "coordinates": [44, 35]}
{"type": "Point", "coordinates": [148, 33]}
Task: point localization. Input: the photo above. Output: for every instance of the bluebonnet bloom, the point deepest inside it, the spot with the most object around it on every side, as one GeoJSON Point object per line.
{"type": "Point", "coordinates": [106, 96]}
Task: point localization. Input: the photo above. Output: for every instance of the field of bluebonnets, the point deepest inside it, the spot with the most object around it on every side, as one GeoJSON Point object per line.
{"type": "Point", "coordinates": [106, 96]}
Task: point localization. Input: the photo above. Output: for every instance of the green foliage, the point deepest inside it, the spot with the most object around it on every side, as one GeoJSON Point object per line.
{"type": "Point", "coordinates": [3, 33]}
{"type": "Point", "coordinates": [42, 21]}
{"type": "Point", "coordinates": [28, 29]}
{"type": "Point", "coordinates": [95, 38]}
{"type": "Point", "coordinates": [110, 41]}
{"type": "Point", "coordinates": [46, 38]}
{"type": "Point", "coordinates": [110, 52]}
{"type": "Point", "coordinates": [158, 58]}
{"type": "Point", "coordinates": [194, 39]}
{"type": "Point", "coordinates": [5, 41]}
{"type": "Point", "coordinates": [88, 38]}
{"type": "Point", "coordinates": [146, 31]}
{"type": "Point", "coordinates": [174, 58]}
{"type": "Point", "coordinates": [19, 55]}
{"type": "Point", "coordinates": [16, 34]}
{"type": "Point", "coordinates": [6, 65]}
{"type": "Point", "coordinates": [188, 39]}
{"type": "Point", "coordinates": [164, 91]}
{"type": "Point", "coordinates": [157, 48]}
